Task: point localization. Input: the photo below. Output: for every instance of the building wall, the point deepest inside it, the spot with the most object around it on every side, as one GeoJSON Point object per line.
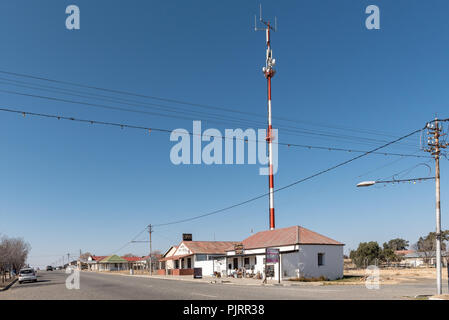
{"type": "Point", "coordinates": [304, 263]}
{"type": "Point", "coordinates": [207, 267]}
{"type": "Point", "coordinates": [299, 261]}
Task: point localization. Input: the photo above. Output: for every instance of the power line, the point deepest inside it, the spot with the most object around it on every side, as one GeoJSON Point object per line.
{"type": "Point", "coordinates": [149, 129]}
{"type": "Point", "coordinates": [291, 184]}
{"type": "Point", "coordinates": [215, 118]}
{"type": "Point", "coordinates": [121, 92]}
{"type": "Point", "coordinates": [129, 242]}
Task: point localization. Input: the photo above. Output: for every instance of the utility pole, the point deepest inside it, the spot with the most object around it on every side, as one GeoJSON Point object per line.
{"type": "Point", "coordinates": [68, 259]}
{"type": "Point", "coordinates": [269, 72]}
{"type": "Point", "coordinates": [150, 231]}
{"type": "Point", "coordinates": [435, 146]}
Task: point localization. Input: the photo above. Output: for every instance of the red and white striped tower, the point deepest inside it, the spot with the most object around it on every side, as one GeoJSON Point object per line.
{"type": "Point", "coordinates": [269, 72]}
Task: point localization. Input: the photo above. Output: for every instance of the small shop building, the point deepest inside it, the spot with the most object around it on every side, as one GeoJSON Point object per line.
{"type": "Point", "coordinates": [188, 255]}
{"type": "Point", "coordinates": [302, 254]}
{"type": "Point", "coordinates": [116, 263]}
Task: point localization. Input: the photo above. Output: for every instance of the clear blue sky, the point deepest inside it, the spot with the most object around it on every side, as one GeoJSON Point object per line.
{"type": "Point", "coordinates": [69, 186]}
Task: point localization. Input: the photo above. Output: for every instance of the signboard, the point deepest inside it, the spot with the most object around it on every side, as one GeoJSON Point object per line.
{"type": "Point", "coordinates": [186, 237]}
{"type": "Point", "coordinates": [238, 248]}
{"type": "Point", "coordinates": [197, 273]}
{"type": "Point", "coordinates": [270, 270]}
{"type": "Point", "coordinates": [272, 255]}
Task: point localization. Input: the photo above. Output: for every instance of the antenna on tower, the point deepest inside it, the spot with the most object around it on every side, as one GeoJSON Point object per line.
{"type": "Point", "coordinates": [266, 23]}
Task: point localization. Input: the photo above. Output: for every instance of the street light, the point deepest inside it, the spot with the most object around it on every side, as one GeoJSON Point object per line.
{"type": "Point", "coordinates": [366, 183]}
{"type": "Point", "coordinates": [438, 246]}
{"type": "Point", "coordinates": [371, 183]}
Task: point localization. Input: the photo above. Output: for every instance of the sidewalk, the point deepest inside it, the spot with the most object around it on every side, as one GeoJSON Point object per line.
{"type": "Point", "coordinates": [6, 285]}
{"type": "Point", "coordinates": [213, 280]}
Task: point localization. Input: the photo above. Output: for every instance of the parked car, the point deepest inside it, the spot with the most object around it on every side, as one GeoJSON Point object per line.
{"type": "Point", "coordinates": [27, 274]}
{"type": "Point", "coordinates": [49, 268]}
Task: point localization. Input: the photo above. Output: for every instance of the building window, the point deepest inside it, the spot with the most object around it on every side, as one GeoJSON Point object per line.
{"type": "Point", "coordinates": [201, 257]}
{"type": "Point", "coordinates": [176, 264]}
{"type": "Point", "coordinates": [321, 259]}
{"type": "Point", "coordinates": [246, 263]}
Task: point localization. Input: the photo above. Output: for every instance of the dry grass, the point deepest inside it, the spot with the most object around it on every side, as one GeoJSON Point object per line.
{"type": "Point", "coordinates": [395, 275]}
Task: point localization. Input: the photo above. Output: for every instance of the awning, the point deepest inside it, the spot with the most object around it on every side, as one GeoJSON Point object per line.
{"type": "Point", "coordinates": [176, 257]}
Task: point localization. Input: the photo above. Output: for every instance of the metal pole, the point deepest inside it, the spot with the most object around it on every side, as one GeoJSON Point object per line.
{"type": "Point", "coordinates": [150, 230]}
{"type": "Point", "coordinates": [279, 267]}
{"type": "Point", "coordinates": [438, 208]}
{"type": "Point", "coordinates": [434, 148]}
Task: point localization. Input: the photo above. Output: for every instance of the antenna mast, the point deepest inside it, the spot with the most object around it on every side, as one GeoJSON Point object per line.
{"type": "Point", "coordinates": [269, 72]}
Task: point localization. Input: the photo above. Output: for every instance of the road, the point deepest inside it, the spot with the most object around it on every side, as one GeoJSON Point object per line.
{"type": "Point", "coordinates": [51, 285]}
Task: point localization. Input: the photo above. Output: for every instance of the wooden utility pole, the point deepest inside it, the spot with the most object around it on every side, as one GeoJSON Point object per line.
{"type": "Point", "coordinates": [435, 146]}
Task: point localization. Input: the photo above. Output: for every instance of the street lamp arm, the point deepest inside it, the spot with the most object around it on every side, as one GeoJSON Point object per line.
{"type": "Point", "coordinates": [371, 183]}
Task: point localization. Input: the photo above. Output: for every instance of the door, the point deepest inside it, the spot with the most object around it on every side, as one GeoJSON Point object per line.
{"type": "Point", "coordinates": [236, 263]}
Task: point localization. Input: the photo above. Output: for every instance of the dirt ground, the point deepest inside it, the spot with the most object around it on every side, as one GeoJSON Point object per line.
{"type": "Point", "coordinates": [396, 275]}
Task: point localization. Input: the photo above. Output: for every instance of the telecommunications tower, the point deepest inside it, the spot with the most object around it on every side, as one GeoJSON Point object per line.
{"type": "Point", "coordinates": [268, 71]}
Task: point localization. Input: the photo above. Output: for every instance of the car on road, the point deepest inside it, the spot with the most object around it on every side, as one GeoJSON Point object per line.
{"type": "Point", "coordinates": [27, 274]}
{"type": "Point", "coordinates": [49, 268]}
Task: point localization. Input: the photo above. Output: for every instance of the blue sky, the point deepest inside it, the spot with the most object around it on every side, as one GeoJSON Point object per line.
{"type": "Point", "coordinates": [69, 186]}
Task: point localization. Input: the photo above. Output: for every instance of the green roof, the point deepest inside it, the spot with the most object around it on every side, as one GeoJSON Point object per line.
{"type": "Point", "coordinates": [113, 259]}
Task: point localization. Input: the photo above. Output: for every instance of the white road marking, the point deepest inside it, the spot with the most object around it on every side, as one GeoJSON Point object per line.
{"type": "Point", "coordinates": [204, 295]}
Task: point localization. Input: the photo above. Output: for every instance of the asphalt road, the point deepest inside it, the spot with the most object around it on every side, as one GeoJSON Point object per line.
{"type": "Point", "coordinates": [51, 285]}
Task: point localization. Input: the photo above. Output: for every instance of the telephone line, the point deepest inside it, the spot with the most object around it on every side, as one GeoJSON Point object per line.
{"type": "Point", "coordinates": [123, 125]}
{"type": "Point", "coordinates": [122, 92]}
{"type": "Point", "coordinates": [295, 131]}
{"type": "Point", "coordinates": [291, 184]}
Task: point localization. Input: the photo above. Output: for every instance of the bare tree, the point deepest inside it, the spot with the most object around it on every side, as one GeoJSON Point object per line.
{"type": "Point", "coordinates": [13, 255]}
{"type": "Point", "coordinates": [85, 255]}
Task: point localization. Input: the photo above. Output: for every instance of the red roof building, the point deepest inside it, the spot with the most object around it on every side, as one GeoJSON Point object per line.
{"type": "Point", "coordinates": [297, 252]}
{"type": "Point", "coordinates": [301, 253]}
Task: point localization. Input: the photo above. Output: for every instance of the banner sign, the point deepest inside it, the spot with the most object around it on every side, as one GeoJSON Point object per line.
{"type": "Point", "coordinates": [238, 248]}
{"type": "Point", "coordinates": [272, 255]}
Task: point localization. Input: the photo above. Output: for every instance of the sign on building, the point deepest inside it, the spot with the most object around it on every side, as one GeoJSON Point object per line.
{"type": "Point", "coordinates": [186, 237]}
{"type": "Point", "coordinates": [272, 255]}
{"type": "Point", "coordinates": [238, 248]}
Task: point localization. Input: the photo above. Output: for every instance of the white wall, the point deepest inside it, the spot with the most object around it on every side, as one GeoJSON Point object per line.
{"type": "Point", "coordinates": [304, 263]}
{"type": "Point", "coordinates": [206, 265]}
{"type": "Point", "coordinates": [209, 266]}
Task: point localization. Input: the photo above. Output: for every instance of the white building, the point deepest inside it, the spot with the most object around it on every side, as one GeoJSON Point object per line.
{"type": "Point", "coordinates": [182, 259]}
{"type": "Point", "coordinates": [303, 253]}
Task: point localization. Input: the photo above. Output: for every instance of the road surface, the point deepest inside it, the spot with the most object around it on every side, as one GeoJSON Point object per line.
{"type": "Point", "coordinates": [51, 285]}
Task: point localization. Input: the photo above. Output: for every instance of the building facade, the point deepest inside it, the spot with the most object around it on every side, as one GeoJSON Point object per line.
{"type": "Point", "coordinates": [183, 258]}
{"type": "Point", "coordinates": [302, 254]}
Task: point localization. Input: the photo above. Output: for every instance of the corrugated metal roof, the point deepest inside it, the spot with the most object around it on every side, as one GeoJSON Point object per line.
{"type": "Point", "coordinates": [113, 259]}
{"type": "Point", "coordinates": [209, 247]}
{"type": "Point", "coordinates": [286, 236]}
